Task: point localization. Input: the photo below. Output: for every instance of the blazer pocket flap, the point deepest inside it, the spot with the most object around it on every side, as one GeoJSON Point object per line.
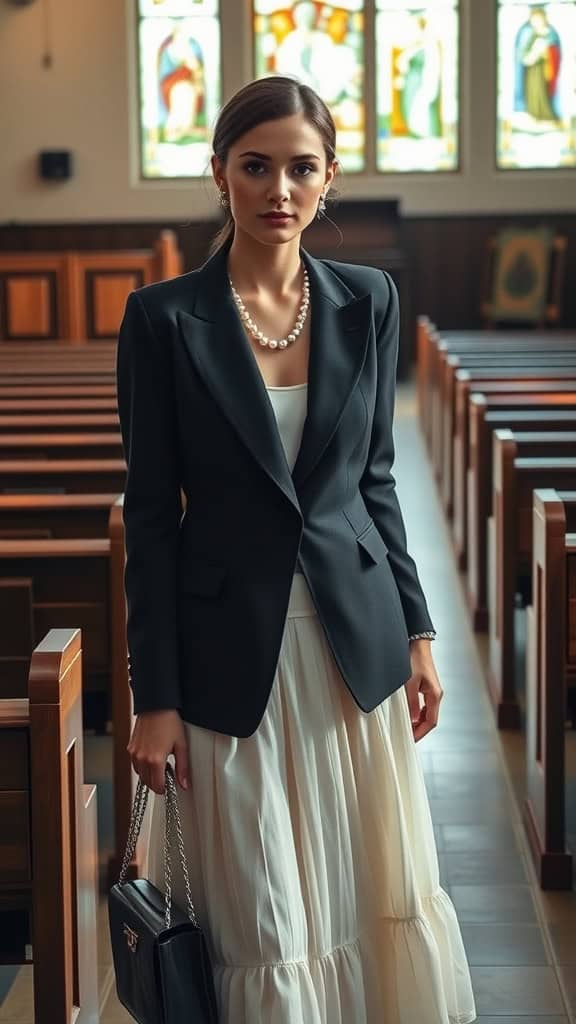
{"type": "Point", "coordinates": [202, 579]}
{"type": "Point", "coordinates": [371, 541]}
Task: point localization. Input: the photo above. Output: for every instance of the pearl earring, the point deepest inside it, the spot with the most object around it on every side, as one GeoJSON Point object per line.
{"type": "Point", "coordinates": [322, 204]}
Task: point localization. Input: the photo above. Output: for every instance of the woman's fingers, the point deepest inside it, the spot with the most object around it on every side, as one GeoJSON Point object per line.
{"type": "Point", "coordinates": [181, 763]}
{"type": "Point", "coordinates": [430, 711]}
{"type": "Point", "coordinates": [154, 737]}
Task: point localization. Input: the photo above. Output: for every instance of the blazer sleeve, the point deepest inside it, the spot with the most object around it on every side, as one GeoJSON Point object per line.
{"type": "Point", "coordinates": [152, 510]}
{"type": "Point", "coordinates": [377, 485]}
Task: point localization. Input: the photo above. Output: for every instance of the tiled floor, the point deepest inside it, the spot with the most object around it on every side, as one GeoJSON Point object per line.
{"type": "Point", "coordinates": [521, 943]}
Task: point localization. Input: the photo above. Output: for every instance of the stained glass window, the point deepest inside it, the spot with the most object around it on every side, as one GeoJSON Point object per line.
{"type": "Point", "coordinates": [321, 44]}
{"type": "Point", "coordinates": [536, 84]}
{"type": "Point", "coordinates": [417, 94]}
{"type": "Point", "coordinates": [179, 85]}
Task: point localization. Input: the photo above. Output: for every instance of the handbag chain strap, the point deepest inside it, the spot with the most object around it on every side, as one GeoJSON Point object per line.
{"type": "Point", "coordinates": [172, 819]}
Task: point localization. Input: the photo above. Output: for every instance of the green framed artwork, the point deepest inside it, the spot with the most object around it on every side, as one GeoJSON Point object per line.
{"type": "Point", "coordinates": [522, 262]}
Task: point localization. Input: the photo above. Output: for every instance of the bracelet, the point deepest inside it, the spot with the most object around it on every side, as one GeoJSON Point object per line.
{"type": "Point", "coordinates": [430, 634]}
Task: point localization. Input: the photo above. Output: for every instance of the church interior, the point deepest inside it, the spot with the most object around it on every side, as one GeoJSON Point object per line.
{"type": "Point", "coordinates": [456, 128]}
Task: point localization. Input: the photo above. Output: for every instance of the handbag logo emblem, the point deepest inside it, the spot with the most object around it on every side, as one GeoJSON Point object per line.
{"type": "Point", "coordinates": [131, 938]}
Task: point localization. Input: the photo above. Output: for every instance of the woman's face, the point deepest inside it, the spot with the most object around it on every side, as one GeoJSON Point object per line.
{"type": "Point", "coordinates": [279, 167]}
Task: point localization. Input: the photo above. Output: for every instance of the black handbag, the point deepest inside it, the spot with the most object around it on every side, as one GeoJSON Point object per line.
{"type": "Point", "coordinates": [161, 960]}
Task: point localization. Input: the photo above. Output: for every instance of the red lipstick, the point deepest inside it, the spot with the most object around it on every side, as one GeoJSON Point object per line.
{"type": "Point", "coordinates": [278, 217]}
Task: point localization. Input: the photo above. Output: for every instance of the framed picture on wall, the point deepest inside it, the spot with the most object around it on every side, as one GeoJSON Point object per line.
{"type": "Point", "coordinates": [526, 269]}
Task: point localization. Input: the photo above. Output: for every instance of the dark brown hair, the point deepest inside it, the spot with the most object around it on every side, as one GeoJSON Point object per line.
{"type": "Point", "coordinates": [268, 99]}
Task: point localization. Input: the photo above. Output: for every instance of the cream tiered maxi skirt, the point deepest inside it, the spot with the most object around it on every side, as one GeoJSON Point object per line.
{"type": "Point", "coordinates": [312, 858]}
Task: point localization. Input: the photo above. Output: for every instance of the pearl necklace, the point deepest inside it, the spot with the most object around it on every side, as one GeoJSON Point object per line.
{"type": "Point", "coordinates": [255, 331]}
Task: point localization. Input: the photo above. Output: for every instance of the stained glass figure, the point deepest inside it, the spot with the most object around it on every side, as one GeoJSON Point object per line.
{"type": "Point", "coordinates": [179, 85]}
{"type": "Point", "coordinates": [417, 85]}
{"type": "Point", "coordinates": [321, 44]}
{"type": "Point", "coordinates": [536, 84]}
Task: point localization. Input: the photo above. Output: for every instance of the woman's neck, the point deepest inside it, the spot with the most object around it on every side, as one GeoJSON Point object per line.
{"type": "Point", "coordinates": [255, 268]}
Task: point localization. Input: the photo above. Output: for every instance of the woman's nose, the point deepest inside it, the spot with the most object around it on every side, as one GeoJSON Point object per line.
{"type": "Point", "coordinates": [279, 191]}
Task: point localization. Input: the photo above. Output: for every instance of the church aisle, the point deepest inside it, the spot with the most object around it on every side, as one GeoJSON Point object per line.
{"type": "Point", "coordinates": [513, 933]}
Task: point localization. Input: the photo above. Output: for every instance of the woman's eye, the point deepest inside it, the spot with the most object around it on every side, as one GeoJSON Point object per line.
{"type": "Point", "coordinates": [254, 167]}
{"type": "Point", "coordinates": [303, 170]}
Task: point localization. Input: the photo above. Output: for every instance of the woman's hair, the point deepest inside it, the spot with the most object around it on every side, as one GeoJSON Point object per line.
{"type": "Point", "coordinates": [268, 99]}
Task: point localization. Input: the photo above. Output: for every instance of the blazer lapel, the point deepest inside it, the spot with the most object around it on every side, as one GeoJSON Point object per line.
{"type": "Point", "coordinates": [340, 329]}
{"type": "Point", "coordinates": [222, 355]}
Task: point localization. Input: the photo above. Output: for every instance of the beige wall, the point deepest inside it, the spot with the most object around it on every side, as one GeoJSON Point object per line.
{"type": "Point", "coordinates": [86, 102]}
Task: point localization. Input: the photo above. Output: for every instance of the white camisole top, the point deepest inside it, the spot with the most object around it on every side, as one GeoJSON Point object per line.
{"type": "Point", "coordinates": [289, 406]}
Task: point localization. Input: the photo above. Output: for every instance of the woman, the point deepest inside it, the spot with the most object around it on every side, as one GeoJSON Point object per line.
{"type": "Point", "coordinates": [269, 625]}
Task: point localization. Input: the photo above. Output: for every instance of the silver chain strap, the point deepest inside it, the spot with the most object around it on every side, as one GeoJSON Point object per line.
{"type": "Point", "coordinates": [172, 817]}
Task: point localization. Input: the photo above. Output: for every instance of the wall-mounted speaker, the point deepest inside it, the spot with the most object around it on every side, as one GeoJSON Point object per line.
{"type": "Point", "coordinates": [55, 164]}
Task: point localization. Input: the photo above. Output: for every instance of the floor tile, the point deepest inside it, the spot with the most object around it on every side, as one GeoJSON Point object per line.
{"type": "Point", "coordinates": [470, 786]}
{"type": "Point", "coordinates": [516, 990]}
{"type": "Point", "coordinates": [477, 838]}
{"type": "Point", "coordinates": [545, 1018]}
{"type": "Point", "coordinates": [457, 762]}
{"type": "Point", "coordinates": [485, 868]}
{"type": "Point", "coordinates": [504, 904]}
{"type": "Point", "coordinates": [463, 811]}
{"type": "Point", "coordinates": [504, 945]}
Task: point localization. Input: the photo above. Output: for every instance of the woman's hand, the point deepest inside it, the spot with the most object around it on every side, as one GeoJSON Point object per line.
{"type": "Point", "coordinates": [424, 680]}
{"type": "Point", "coordinates": [155, 735]}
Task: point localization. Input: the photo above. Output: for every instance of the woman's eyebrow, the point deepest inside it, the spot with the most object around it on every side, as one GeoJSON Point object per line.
{"type": "Point", "coordinates": [264, 156]}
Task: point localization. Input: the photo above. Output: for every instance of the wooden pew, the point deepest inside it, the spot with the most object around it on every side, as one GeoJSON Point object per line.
{"type": "Point", "coordinates": [78, 296]}
{"type": "Point", "coordinates": [60, 446]}
{"type": "Point", "coordinates": [21, 406]}
{"type": "Point", "coordinates": [56, 423]}
{"type": "Point", "coordinates": [523, 368]}
{"type": "Point", "coordinates": [79, 580]}
{"type": "Point", "coordinates": [62, 476]}
{"type": "Point", "coordinates": [50, 369]}
{"type": "Point", "coordinates": [53, 516]}
{"type": "Point", "coordinates": [432, 342]}
{"type": "Point", "coordinates": [55, 348]}
{"type": "Point", "coordinates": [48, 837]}
{"type": "Point", "coordinates": [482, 352]}
{"type": "Point", "coordinates": [47, 390]}
{"type": "Point", "coordinates": [540, 412]}
{"type": "Point", "coordinates": [505, 361]}
{"type": "Point", "coordinates": [510, 554]}
{"type": "Point", "coordinates": [68, 583]}
{"type": "Point", "coordinates": [550, 669]}
{"type": "Point", "coordinates": [513, 394]}
{"type": "Point", "coordinates": [53, 381]}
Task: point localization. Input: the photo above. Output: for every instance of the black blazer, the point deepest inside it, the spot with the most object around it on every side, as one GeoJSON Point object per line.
{"type": "Point", "coordinates": [207, 590]}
